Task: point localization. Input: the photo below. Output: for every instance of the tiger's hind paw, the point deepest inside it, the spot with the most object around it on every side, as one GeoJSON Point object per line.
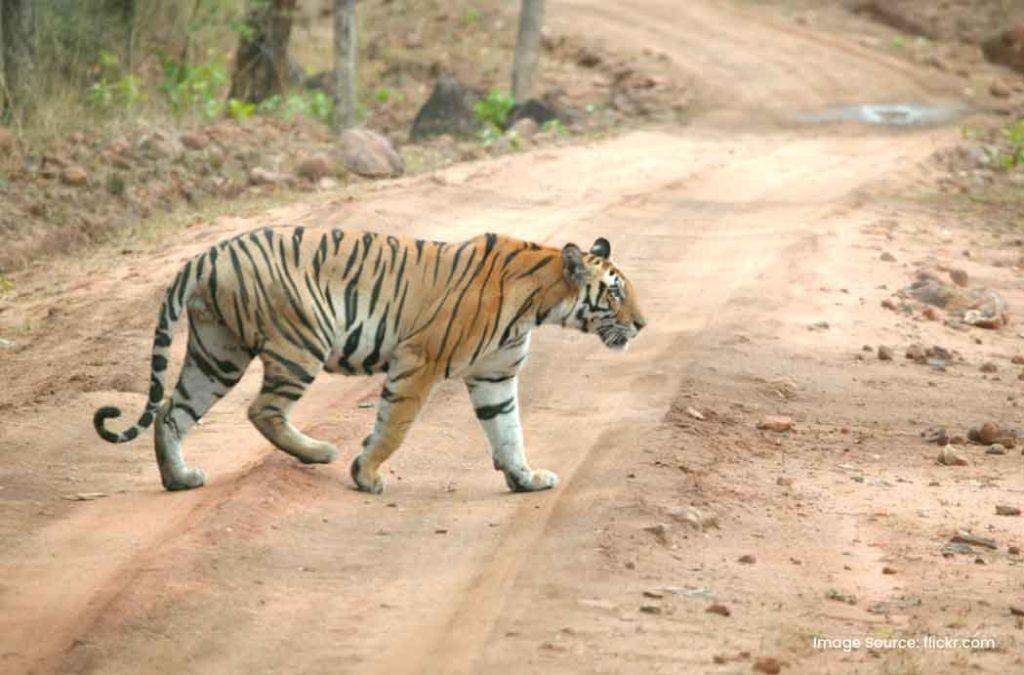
{"type": "Point", "coordinates": [187, 480]}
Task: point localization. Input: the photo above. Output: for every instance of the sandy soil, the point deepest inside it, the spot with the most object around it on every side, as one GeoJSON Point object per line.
{"type": "Point", "coordinates": [744, 233]}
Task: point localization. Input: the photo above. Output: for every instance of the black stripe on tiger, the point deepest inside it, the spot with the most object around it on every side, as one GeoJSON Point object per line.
{"type": "Point", "coordinates": [489, 412]}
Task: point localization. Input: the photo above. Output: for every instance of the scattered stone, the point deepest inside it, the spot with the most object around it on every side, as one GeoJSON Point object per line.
{"type": "Point", "coordinates": [1013, 550]}
{"type": "Point", "coordinates": [884, 353]}
{"type": "Point", "coordinates": [659, 531]}
{"type": "Point", "coordinates": [949, 457]}
{"type": "Point", "coordinates": [999, 89]}
{"type": "Point", "coordinates": [990, 433]}
{"type": "Point", "coordinates": [695, 518]}
{"type": "Point", "coordinates": [695, 414]}
{"type": "Point", "coordinates": [525, 128]}
{"type": "Point", "coordinates": [768, 665]}
{"type": "Point", "coordinates": [1006, 510]}
{"type": "Point", "coordinates": [838, 596]}
{"type": "Point", "coordinates": [314, 167]}
{"type": "Point", "coordinates": [75, 176]}
{"type": "Point", "coordinates": [995, 449]}
{"type": "Point", "coordinates": [261, 176]}
{"type": "Point", "coordinates": [1017, 360]}
{"type": "Point", "coordinates": [887, 257]}
{"type": "Point", "coordinates": [650, 609]}
{"type": "Point", "coordinates": [776, 423]}
{"type": "Point", "coordinates": [929, 289]}
{"type": "Point", "coordinates": [958, 276]}
{"type": "Point", "coordinates": [717, 608]}
{"type": "Point", "coordinates": [988, 367]}
{"type": "Point", "coordinates": [889, 303]}
{"type": "Point", "coordinates": [1017, 610]}
{"type": "Point", "coordinates": [986, 309]}
{"type": "Point", "coordinates": [937, 435]}
{"type": "Point", "coordinates": [784, 481]}
{"type": "Point", "coordinates": [369, 154]}
{"type": "Point", "coordinates": [85, 496]}
{"type": "Point", "coordinates": [657, 595]}
{"type": "Point", "coordinates": [889, 570]}
{"type": "Point", "coordinates": [916, 353]}
{"type": "Point", "coordinates": [954, 548]}
{"type": "Point", "coordinates": [746, 559]}
{"type": "Point", "coordinates": [449, 110]}
{"type": "Point", "coordinates": [974, 540]}
{"type": "Point", "coordinates": [193, 140]}
{"type": "Point", "coordinates": [930, 313]}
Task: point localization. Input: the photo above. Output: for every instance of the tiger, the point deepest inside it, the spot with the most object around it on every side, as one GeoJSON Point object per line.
{"type": "Point", "coordinates": [306, 300]}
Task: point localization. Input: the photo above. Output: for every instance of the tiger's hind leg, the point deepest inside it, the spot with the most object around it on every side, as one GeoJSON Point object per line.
{"type": "Point", "coordinates": [214, 363]}
{"type": "Point", "coordinates": [285, 380]}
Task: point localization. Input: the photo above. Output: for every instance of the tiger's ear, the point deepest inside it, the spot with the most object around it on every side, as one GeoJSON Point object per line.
{"type": "Point", "coordinates": [601, 248]}
{"type": "Point", "coordinates": [572, 262]}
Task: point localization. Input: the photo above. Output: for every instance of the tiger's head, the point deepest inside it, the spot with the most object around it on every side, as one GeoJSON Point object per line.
{"type": "Point", "coordinates": [606, 302]}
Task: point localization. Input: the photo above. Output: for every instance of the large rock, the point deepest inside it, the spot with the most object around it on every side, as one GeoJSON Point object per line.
{"type": "Point", "coordinates": [1007, 48]}
{"type": "Point", "coordinates": [532, 109]}
{"type": "Point", "coordinates": [449, 110]}
{"type": "Point", "coordinates": [369, 154]}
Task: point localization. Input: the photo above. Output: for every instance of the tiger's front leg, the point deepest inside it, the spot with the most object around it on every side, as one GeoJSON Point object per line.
{"type": "Point", "coordinates": [406, 390]}
{"type": "Point", "coordinates": [495, 399]}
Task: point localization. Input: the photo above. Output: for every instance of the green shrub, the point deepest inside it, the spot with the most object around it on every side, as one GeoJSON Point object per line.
{"type": "Point", "coordinates": [494, 109]}
{"type": "Point", "coordinates": [191, 89]}
{"type": "Point", "coordinates": [111, 89]}
{"type": "Point", "coordinates": [239, 110]}
{"type": "Point", "coordinates": [1014, 133]}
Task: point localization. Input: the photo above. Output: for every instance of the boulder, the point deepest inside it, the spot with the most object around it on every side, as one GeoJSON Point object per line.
{"type": "Point", "coordinates": [369, 154]}
{"type": "Point", "coordinates": [449, 110]}
{"type": "Point", "coordinates": [314, 167]}
{"type": "Point", "coordinates": [1006, 48]}
{"type": "Point", "coordinates": [534, 109]}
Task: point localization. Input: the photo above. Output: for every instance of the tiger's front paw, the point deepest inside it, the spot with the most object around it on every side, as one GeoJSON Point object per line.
{"type": "Point", "coordinates": [367, 481]}
{"type": "Point", "coordinates": [531, 481]}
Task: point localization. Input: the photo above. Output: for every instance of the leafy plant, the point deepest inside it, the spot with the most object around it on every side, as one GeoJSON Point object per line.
{"type": "Point", "coordinates": [1014, 134]}
{"type": "Point", "coordinates": [556, 127]}
{"type": "Point", "coordinates": [239, 110]}
{"type": "Point", "coordinates": [493, 110]}
{"type": "Point", "coordinates": [111, 89]}
{"type": "Point", "coordinates": [384, 94]}
{"type": "Point", "coordinates": [193, 88]}
{"type": "Point", "coordinates": [6, 286]}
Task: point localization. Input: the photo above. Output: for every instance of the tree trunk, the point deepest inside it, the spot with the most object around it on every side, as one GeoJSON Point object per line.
{"type": "Point", "coordinates": [128, 17]}
{"type": "Point", "coordinates": [18, 20]}
{"type": "Point", "coordinates": [261, 63]}
{"type": "Point", "coordinates": [531, 16]}
{"type": "Point", "coordinates": [346, 58]}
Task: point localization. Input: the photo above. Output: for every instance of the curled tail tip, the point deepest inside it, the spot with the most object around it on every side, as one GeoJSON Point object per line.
{"type": "Point", "coordinates": [105, 413]}
{"type": "Point", "coordinates": [99, 422]}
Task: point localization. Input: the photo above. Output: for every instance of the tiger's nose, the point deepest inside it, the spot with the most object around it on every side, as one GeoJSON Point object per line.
{"type": "Point", "coordinates": [638, 324]}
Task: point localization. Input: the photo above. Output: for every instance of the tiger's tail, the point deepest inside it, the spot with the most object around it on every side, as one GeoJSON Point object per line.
{"type": "Point", "coordinates": [170, 313]}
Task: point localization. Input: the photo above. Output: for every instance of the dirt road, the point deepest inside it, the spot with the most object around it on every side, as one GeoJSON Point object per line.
{"type": "Point", "coordinates": [739, 231]}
